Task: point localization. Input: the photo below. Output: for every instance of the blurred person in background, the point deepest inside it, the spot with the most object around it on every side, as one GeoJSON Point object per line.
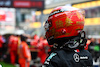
{"type": "Point", "coordinates": [87, 44]}
{"type": "Point", "coordinates": [33, 45]}
{"type": "Point", "coordinates": [91, 46]}
{"type": "Point", "coordinates": [12, 48]}
{"type": "Point", "coordinates": [97, 51]}
{"type": "Point", "coordinates": [2, 41]}
{"type": "Point", "coordinates": [34, 51]}
{"type": "Point", "coordinates": [24, 55]}
{"type": "Point", "coordinates": [64, 30]}
{"type": "Point", "coordinates": [43, 46]}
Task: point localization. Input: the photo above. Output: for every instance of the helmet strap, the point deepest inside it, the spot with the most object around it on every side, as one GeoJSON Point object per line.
{"type": "Point", "coordinates": [76, 42]}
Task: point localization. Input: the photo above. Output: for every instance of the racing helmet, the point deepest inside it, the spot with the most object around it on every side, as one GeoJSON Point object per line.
{"type": "Point", "coordinates": [64, 22]}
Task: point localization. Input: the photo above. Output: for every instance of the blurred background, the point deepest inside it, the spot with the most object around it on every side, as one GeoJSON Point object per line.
{"type": "Point", "coordinates": [27, 17]}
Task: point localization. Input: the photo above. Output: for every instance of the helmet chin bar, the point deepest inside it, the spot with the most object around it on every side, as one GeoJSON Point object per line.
{"type": "Point", "coordinates": [76, 42]}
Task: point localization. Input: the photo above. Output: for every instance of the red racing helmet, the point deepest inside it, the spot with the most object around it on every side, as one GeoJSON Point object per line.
{"type": "Point", "coordinates": [64, 22]}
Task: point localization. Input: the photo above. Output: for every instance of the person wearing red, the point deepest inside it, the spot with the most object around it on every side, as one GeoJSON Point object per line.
{"type": "Point", "coordinates": [34, 41]}
{"type": "Point", "coordinates": [36, 37]}
{"type": "Point", "coordinates": [87, 44]}
{"type": "Point", "coordinates": [24, 53]}
{"type": "Point", "coordinates": [2, 40]}
{"type": "Point", "coordinates": [13, 46]}
{"type": "Point", "coordinates": [43, 46]}
{"type": "Point", "coordinates": [33, 48]}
